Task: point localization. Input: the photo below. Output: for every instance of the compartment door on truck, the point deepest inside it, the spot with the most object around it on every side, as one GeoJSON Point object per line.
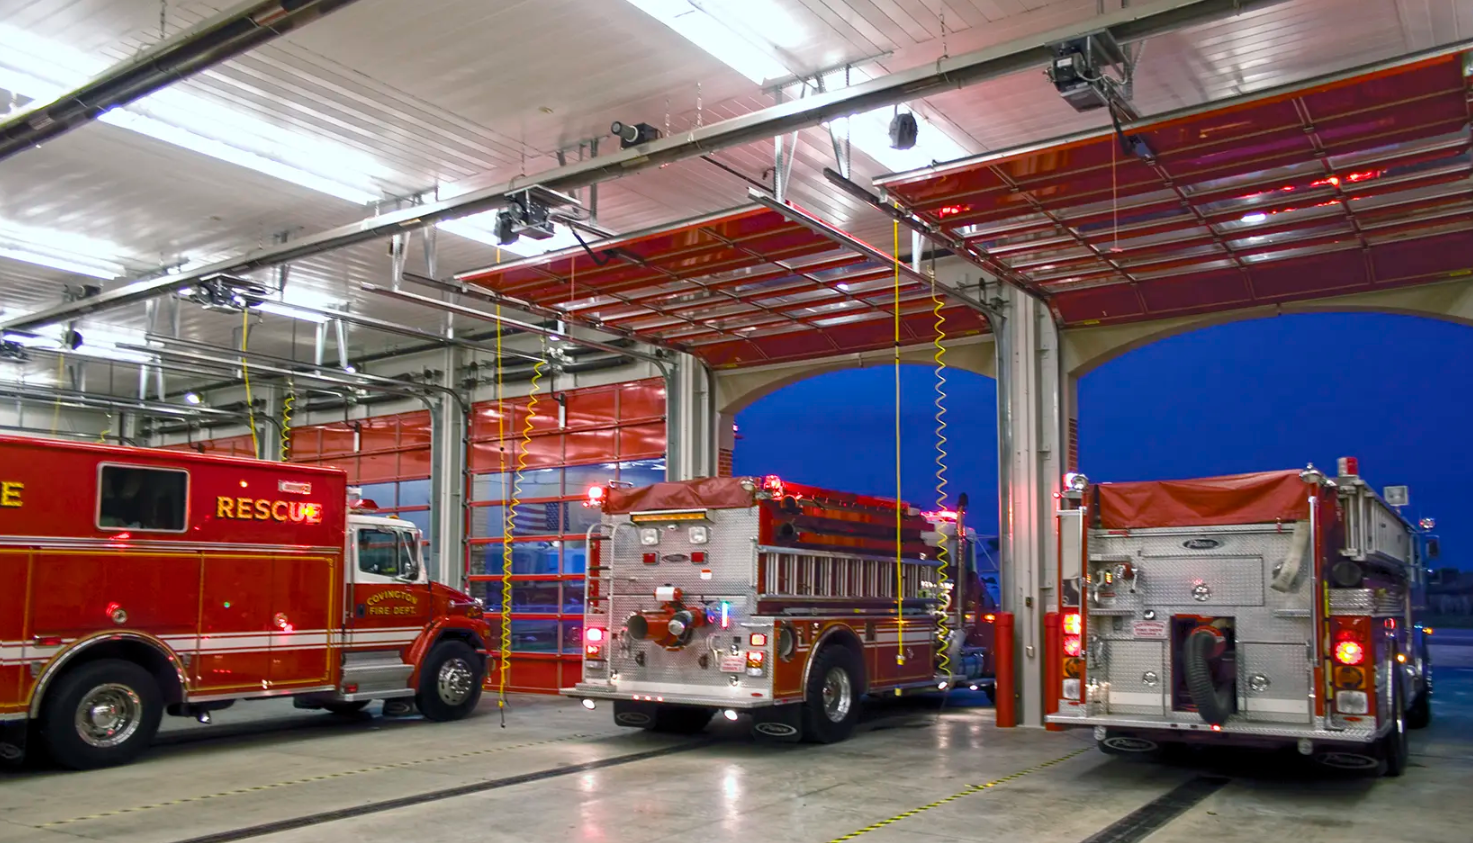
{"type": "Point", "coordinates": [389, 594]}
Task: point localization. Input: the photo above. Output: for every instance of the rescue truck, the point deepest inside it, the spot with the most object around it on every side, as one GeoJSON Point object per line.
{"type": "Point", "coordinates": [1276, 609]}
{"type": "Point", "coordinates": [135, 582]}
{"type": "Point", "coordinates": [784, 602]}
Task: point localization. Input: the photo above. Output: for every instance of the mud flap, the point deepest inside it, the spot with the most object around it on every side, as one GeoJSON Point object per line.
{"type": "Point", "coordinates": [635, 715]}
{"type": "Point", "coordinates": [13, 734]}
{"type": "Point", "coordinates": [778, 723]}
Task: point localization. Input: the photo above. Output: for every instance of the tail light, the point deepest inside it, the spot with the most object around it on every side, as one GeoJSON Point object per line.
{"type": "Point", "coordinates": [759, 639]}
{"type": "Point", "coordinates": [1073, 626]}
{"type": "Point", "coordinates": [756, 662]}
{"type": "Point", "coordinates": [1349, 652]}
{"type": "Point", "coordinates": [594, 635]}
{"type": "Point", "coordinates": [595, 497]}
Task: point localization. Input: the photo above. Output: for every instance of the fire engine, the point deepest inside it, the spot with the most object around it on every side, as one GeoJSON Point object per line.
{"type": "Point", "coordinates": [784, 602]}
{"type": "Point", "coordinates": [141, 581]}
{"type": "Point", "coordinates": [1269, 609]}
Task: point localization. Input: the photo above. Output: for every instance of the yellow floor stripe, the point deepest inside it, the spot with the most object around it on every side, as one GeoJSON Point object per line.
{"type": "Point", "coordinates": [976, 788]}
{"type": "Point", "coordinates": [319, 778]}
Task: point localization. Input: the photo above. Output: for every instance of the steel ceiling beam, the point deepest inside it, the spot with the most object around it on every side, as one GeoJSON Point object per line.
{"type": "Point", "coordinates": [216, 40]}
{"type": "Point", "coordinates": [947, 73]}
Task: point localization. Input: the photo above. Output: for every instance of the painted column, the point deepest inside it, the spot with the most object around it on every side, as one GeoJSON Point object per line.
{"type": "Point", "coordinates": [1035, 452]}
{"type": "Point", "coordinates": [691, 427]}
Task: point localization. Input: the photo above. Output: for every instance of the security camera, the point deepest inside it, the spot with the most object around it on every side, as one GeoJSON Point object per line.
{"type": "Point", "coordinates": [633, 135]}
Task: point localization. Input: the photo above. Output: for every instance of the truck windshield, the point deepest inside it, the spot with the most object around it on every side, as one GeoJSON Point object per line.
{"type": "Point", "coordinates": [387, 553]}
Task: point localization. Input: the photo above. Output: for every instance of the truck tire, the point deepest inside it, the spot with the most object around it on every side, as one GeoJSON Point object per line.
{"type": "Point", "coordinates": [1214, 704]}
{"type": "Point", "coordinates": [101, 714]}
{"type": "Point", "coordinates": [1394, 749]}
{"type": "Point", "coordinates": [450, 681]}
{"type": "Point", "coordinates": [680, 719]}
{"type": "Point", "coordinates": [346, 709]}
{"type": "Point", "coordinates": [831, 700]}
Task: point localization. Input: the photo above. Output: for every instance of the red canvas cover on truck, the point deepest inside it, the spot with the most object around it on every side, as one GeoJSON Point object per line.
{"type": "Point", "coordinates": [1258, 498]}
{"type": "Point", "coordinates": [701, 493]}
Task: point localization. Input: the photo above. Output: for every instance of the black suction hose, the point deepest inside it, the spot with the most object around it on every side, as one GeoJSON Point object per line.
{"type": "Point", "coordinates": [1214, 704]}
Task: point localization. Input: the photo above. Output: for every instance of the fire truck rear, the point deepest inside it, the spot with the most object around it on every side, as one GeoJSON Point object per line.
{"type": "Point", "coordinates": [135, 582]}
{"type": "Point", "coordinates": [784, 602]}
{"type": "Point", "coordinates": [1265, 609]}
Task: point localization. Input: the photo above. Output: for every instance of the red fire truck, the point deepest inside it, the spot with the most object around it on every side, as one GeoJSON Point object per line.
{"type": "Point", "coordinates": [782, 601]}
{"type": "Point", "coordinates": [140, 581]}
{"type": "Point", "coordinates": [1270, 609]}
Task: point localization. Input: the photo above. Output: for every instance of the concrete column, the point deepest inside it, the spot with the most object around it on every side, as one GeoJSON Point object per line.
{"type": "Point", "coordinates": [691, 426]}
{"type": "Point", "coordinates": [725, 443]}
{"type": "Point", "coordinates": [448, 460]}
{"type": "Point", "coordinates": [1034, 457]}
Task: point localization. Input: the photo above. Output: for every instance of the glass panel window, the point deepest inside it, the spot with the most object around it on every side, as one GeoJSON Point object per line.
{"type": "Point", "coordinates": [490, 487]}
{"type": "Point", "coordinates": [537, 519]}
{"type": "Point", "coordinates": [534, 597]}
{"type": "Point", "coordinates": [642, 472]}
{"type": "Point", "coordinates": [573, 597]}
{"type": "Point", "coordinates": [577, 478]}
{"type": "Point", "coordinates": [486, 522]}
{"type": "Point", "coordinates": [575, 557]}
{"type": "Point", "coordinates": [572, 636]}
{"type": "Point", "coordinates": [142, 499]}
{"type": "Point", "coordinates": [414, 493]}
{"type": "Point", "coordinates": [534, 636]}
{"type": "Point", "coordinates": [541, 483]}
{"type": "Point", "coordinates": [382, 494]}
{"type": "Point", "coordinates": [527, 558]}
{"type": "Point", "coordinates": [581, 517]}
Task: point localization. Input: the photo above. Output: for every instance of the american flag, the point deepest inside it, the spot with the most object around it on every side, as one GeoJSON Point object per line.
{"type": "Point", "coordinates": [538, 519]}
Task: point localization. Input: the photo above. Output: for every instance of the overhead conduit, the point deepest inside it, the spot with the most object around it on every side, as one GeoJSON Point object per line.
{"type": "Point", "coordinates": [186, 54]}
{"type": "Point", "coordinates": [1129, 25]}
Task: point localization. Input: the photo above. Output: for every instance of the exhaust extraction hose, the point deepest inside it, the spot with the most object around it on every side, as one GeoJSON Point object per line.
{"type": "Point", "coordinates": [1214, 704]}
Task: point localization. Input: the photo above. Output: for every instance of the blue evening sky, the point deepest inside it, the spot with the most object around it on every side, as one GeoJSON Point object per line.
{"type": "Point", "coordinates": [1394, 391]}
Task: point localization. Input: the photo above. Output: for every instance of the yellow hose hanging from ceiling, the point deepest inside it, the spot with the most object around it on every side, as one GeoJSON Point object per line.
{"type": "Point", "coordinates": [943, 555]}
{"type": "Point", "coordinates": [899, 563]}
{"type": "Point", "coordinates": [503, 655]}
{"type": "Point", "coordinates": [287, 403]}
{"type": "Point", "coordinates": [511, 514]}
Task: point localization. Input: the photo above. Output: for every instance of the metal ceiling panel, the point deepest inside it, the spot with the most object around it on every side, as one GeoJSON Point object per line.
{"type": "Point", "coordinates": [1311, 192]}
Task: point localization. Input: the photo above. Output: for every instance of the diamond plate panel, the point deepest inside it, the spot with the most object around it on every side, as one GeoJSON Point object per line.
{"type": "Point", "coordinates": [1351, 601]}
{"type": "Point", "coordinates": [1208, 583]}
{"type": "Point", "coordinates": [731, 563]}
{"type": "Point", "coordinates": [1125, 668]}
{"type": "Point", "coordinates": [1286, 668]}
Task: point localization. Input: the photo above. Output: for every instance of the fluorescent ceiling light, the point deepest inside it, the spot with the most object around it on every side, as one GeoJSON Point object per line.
{"type": "Point", "coordinates": [727, 30]}
{"type": "Point", "coordinates": [738, 50]}
{"type": "Point", "coordinates": [193, 122]}
{"type": "Point", "coordinates": [291, 312]}
{"type": "Point", "coordinates": [61, 250]}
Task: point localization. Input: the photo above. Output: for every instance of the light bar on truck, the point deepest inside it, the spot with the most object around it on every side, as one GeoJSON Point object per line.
{"type": "Point", "coordinates": [669, 515]}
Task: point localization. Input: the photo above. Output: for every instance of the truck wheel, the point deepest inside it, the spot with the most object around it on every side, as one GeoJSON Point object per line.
{"type": "Point", "coordinates": [101, 714]}
{"type": "Point", "coordinates": [450, 681]}
{"type": "Point", "coordinates": [831, 702]}
{"type": "Point", "coordinates": [680, 719]}
{"type": "Point", "coordinates": [1419, 716]}
{"type": "Point", "coordinates": [1394, 749]}
{"type": "Point", "coordinates": [346, 709]}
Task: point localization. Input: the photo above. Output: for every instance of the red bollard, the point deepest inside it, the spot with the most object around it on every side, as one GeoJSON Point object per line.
{"type": "Point", "coordinates": [1053, 670]}
{"type": "Point", "coordinates": [1003, 669]}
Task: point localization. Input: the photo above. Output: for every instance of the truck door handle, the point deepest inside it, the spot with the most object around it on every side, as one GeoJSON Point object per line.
{"type": "Point", "coordinates": [360, 610]}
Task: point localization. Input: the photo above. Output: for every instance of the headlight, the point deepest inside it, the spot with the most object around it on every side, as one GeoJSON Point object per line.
{"type": "Point", "coordinates": [1075, 482]}
{"type": "Point", "coordinates": [699, 534]}
{"type": "Point", "coordinates": [649, 536]}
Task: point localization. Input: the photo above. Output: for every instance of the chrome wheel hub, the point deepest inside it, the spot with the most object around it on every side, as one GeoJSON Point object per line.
{"type": "Point", "coordinates": [108, 715]}
{"type": "Point", "coordinates": [455, 681]}
{"type": "Point", "coordinates": [838, 694]}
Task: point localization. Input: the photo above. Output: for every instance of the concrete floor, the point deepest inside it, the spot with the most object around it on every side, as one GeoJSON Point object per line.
{"type": "Point", "coordinates": [264, 765]}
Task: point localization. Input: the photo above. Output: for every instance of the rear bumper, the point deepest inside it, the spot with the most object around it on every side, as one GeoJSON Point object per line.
{"type": "Point", "coordinates": [675, 697]}
{"type": "Point", "coordinates": [1260, 734]}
